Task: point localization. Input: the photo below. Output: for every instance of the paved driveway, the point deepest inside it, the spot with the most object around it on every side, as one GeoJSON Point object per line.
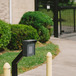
{"type": "Point", "coordinates": [71, 36]}
{"type": "Point", "coordinates": [63, 65]}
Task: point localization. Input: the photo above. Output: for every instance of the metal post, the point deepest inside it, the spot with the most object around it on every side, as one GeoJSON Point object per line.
{"type": "Point", "coordinates": [74, 19]}
{"type": "Point", "coordinates": [14, 64]}
{"type": "Point", "coordinates": [36, 5]}
{"type": "Point", "coordinates": [55, 18]}
{"type": "Point", "coordinates": [60, 22]}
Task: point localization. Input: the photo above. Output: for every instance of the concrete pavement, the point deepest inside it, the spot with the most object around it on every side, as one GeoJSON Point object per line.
{"type": "Point", "coordinates": [63, 65]}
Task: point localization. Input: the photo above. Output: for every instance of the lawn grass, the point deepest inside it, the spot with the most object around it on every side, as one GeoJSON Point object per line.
{"type": "Point", "coordinates": [67, 15]}
{"type": "Point", "coordinates": [49, 13]}
{"type": "Point", "coordinates": [28, 63]}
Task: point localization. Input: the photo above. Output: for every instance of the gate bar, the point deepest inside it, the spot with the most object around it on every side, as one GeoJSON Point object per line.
{"type": "Point", "coordinates": [56, 18]}
{"type": "Point", "coordinates": [74, 19]}
{"type": "Point", "coordinates": [60, 22]}
{"type": "Point", "coordinates": [36, 5]}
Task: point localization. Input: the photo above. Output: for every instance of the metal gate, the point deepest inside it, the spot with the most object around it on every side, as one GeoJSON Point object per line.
{"type": "Point", "coordinates": [66, 18]}
{"type": "Point", "coordinates": [63, 16]}
{"type": "Point", "coordinates": [39, 6]}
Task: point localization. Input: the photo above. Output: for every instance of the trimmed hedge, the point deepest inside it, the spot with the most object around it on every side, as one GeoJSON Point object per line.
{"type": "Point", "coordinates": [36, 19]}
{"type": "Point", "coordinates": [40, 21]}
{"type": "Point", "coordinates": [19, 33]}
{"type": "Point", "coordinates": [43, 34]}
{"type": "Point", "coordinates": [5, 34]}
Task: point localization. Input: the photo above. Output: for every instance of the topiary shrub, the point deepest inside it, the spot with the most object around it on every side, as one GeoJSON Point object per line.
{"type": "Point", "coordinates": [19, 33]}
{"type": "Point", "coordinates": [43, 34]}
{"type": "Point", "coordinates": [51, 31]}
{"type": "Point", "coordinates": [36, 19]}
{"type": "Point", "coordinates": [39, 21]}
{"type": "Point", "coordinates": [5, 34]}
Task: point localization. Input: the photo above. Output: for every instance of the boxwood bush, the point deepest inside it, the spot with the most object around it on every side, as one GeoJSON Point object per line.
{"type": "Point", "coordinates": [44, 34]}
{"type": "Point", "coordinates": [40, 21]}
{"type": "Point", "coordinates": [19, 33]}
{"type": "Point", "coordinates": [36, 19]}
{"type": "Point", "coordinates": [5, 34]}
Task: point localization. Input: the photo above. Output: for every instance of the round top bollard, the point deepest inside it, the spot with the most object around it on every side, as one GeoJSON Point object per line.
{"type": "Point", "coordinates": [6, 66]}
{"type": "Point", "coordinates": [49, 54]}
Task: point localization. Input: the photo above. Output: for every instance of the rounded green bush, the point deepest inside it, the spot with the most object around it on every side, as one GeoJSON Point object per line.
{"type": "Point", "coordinates": [19, 33]}
{"type": "Point", "coordinates": [39, 21]}
{"type": "Point", "coordinates": [51, 31]}
{"type": "Point", "coordinates": [43, 34]}
{"type": "Point", "coordinates": [36, 19]}
{"type": "Point", "coordinates": [5, 34]}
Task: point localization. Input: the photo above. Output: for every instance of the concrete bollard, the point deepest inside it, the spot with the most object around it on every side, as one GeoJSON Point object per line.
{"type": "Point", "coordinates": [7, 69]}
{"type": "Point", "coordinates": [49, 64]}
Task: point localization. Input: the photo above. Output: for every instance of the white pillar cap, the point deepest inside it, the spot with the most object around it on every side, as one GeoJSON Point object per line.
{"type": "Point", "coordinates": [49, 54]}
{"type": "Point", "coordinates": [6, 65]}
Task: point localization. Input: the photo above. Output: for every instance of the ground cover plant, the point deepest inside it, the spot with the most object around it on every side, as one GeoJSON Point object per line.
{"type": "Point", "coordinates": [29, 62]}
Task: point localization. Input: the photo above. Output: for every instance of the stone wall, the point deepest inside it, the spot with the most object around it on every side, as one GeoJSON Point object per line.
{"type": "Point", "coordinates": [4, 10]}
{"type": "Point", "coordinates": [19, 7]}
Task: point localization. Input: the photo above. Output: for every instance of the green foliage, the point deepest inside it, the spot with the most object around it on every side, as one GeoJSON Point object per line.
{"type": "Point", "coordinates": [52, 5]}
{"type": "Point", "coordinates": [5, 34]}
{"type": "Point", "coordinates": [32, 61]}
{"type": "Point", "coordinates": [19, 33]}
{"type": "Point", "coordinates": [51, 31]}
{"type": "Point", "coordinates": [36, 19]}
{"type": "Point", "coordinates": [66, 2]}
{"type": "Point", "coordinates": [39, 21]}
{"type": "Point", "coordinates": [43, 34]}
